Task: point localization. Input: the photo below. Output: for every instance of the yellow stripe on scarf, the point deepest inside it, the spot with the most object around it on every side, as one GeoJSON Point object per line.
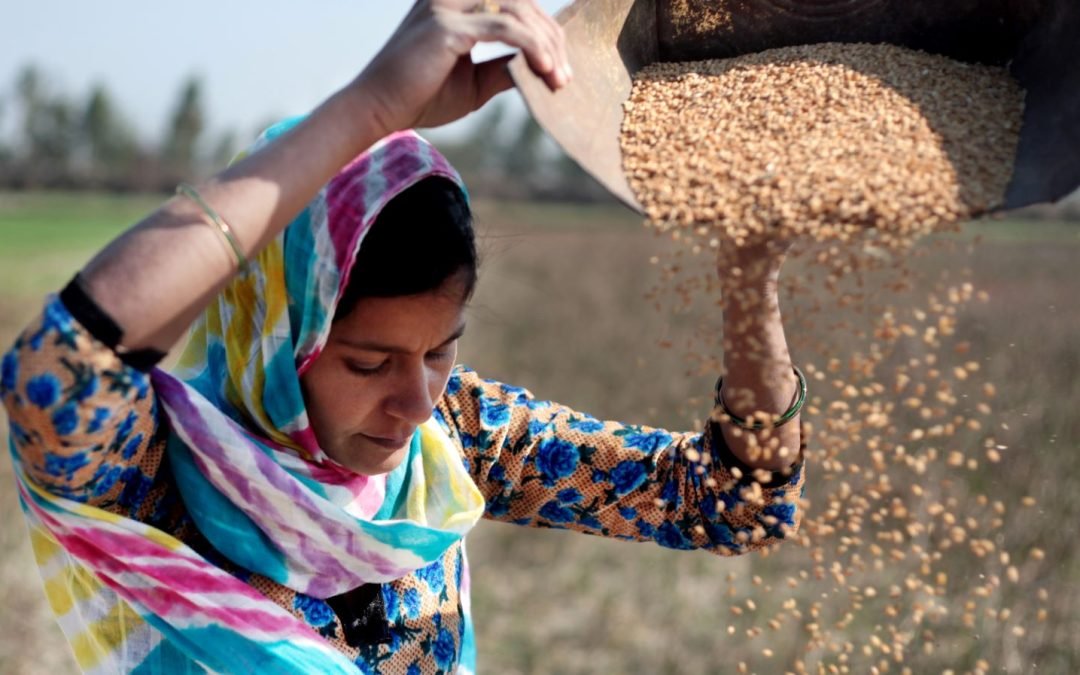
{"type": "Point", "coordinates": [70, 585]}
{"type": "Point", "coordinates": [102, 637]}
{"type": "Point", "coordinates": [444, 466]}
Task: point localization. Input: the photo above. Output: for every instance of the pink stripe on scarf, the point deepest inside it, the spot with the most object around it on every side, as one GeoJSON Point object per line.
{"type": "Point", "coordinates": [108, 554]}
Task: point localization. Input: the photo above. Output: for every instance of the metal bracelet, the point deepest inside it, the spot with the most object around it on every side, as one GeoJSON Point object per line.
{"type": "Point", "coordinates": [758, 425]}
{"type": "Point", "coordinates": [186, 190]}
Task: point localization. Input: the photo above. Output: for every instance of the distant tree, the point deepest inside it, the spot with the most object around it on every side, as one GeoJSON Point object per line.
{"type": "Point", "coordinates": [5, 150]}
{"type": "Point", "coordinates": [108, 139]}
{"type": "Point", "coordinates": [525, 157]}
{"type": "Point", "coordinates": [180, 152]}
{"type": "Point", "coordinates": [225, 150]}
{"type": "Point", "coordinates": [49, 130]}
{"type": "Point", "coordinates": [479, 152]}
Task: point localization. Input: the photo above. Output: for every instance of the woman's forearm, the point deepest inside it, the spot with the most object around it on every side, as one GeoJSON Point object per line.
{"type": "Point", "coordinates": [759, 377]}
{"type": "Point", "coordinates": [155, 278]}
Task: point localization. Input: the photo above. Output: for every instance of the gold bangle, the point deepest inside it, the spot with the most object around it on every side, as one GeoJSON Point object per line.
{"type": "Point", "coordinates": [186, 190]}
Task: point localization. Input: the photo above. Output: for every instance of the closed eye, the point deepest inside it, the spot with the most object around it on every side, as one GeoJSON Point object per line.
{"type": "Point", "coordinates": [365, 370]}
{"type": "Point", "coordinates": [441, 355]}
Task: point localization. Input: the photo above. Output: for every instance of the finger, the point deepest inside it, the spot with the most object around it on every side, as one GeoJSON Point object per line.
{"type": "Point", "coordinates": [492, 77]}
{"type": "Point", "coordinates": [530, 13]}
{"type": "Point", "coordinates": [508, 28]}
{"type": "Point", "coordinates": [556, 36]}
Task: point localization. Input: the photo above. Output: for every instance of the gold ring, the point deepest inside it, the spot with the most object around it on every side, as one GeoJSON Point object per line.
{"type": "Point", "coordinates": [487, 7]}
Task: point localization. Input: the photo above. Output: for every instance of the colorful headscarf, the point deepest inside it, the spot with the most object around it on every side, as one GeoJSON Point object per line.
{"type": "Point", "coordinates": [251, 473]}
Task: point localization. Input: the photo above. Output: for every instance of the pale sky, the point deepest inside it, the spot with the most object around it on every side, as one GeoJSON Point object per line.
{"type": "Point", "coordinates": [258, 60]}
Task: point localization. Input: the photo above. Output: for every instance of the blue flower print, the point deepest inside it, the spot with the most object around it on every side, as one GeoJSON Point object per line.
{"type": "Point", "coordinates": [627, 476]}
{"type": "Point", "coordinates": [669, 536]}
{"type": "Point", "coordinates": [793, 479]}
{"type": "Point", "coordinates": [19, 434]}
{"type": "Point", "coordinates": [60, 466]}
{"type": "Point", "coordinates": [556, 513]}
{"type": "Point", "coordinates": [647, 442]}
{"type": "Point", "coordinates": [645, 528]}
{"type": "Point", "coordinates": [720, 533]}
{"type": "Point", "coordinates": [390, 601]}
{"type": "Point", "coordinates": [499, 507]}
{"type": "Point", "coordinates": [784, 512]}
{"type": "Point", "coordinates": [497, 473]}
{"type": "Point", "coordinates": [105, 478]}
{"type": "Point", "coordinates": [66, 419]}
{"type": "Point", "coordinates": [444, 650]}
{"type": "Point", "coordinates": [569, 496]}
{"type": "Point", "coordinates": [316, 612]}
{"type": "Point", "coordinates": [785, 516]}
{"type": "Point", "coordinates": [56, 320]}
{"type": "Point", "coordinates": [586, 425]}
{"type": "Point", "coordinates": [101, 415]}
{"type": "Point", "coordinates": [590, 521]}
{"type": "Point", "coordinates": [440, 419]}
{"type": "Point", "coordinates": [453, 385]}
{"type": "Point", "coordinates": [433, 575]}
{"type": "Point", "coordinates": [136, 486]}
{"type": "Point", "coordinates": [125, 429]}
{"type": "Point", "coordinates": [132, 446]}
{"type": "Point", "coordinates": [85, 381]}
{"type": "Point", "coordinates": [628, 512]}
{"type": "Point", "coordinates": [9, 373]}
{"type": "Point", "coordinates": [493, 413]}
{"type": "Point", "coordinates": [670, 494]}
{"type": "Point", "coordinates": [535, 405]}
{"type": "Point", "coordinates": [536, 427]}
{"type": "Point", "coordinates": [519, 395]}
{"type": "Point", "coordinates": [556, 459]}
{"type": "Point", "coordinates": [43, 390]}
{"type": "Point", "coordinates": [411, 600]}
{"type": "Point", "coordinates": [731, 500]}
{"type": "Point", "coordinates": [363, 666]}
{"type": "Point", "coordinates": [414, 669]}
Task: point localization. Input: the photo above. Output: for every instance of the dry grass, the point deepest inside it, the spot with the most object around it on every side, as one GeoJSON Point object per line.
{"type": "Point", "coordinates": [560, 309]}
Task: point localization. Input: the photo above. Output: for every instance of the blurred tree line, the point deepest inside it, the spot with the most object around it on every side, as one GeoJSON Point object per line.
{"type": "Point", "coordinates": [64, 142]}
{"type": "Point", "coordinates": [61, 142]}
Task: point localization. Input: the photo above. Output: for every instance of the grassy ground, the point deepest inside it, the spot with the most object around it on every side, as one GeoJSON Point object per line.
{"type": "Point", "coordinates": [561, 310]}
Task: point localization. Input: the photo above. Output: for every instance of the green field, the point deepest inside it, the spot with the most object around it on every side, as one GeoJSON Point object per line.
{"type": "Point", "coordinates": [561, 309]}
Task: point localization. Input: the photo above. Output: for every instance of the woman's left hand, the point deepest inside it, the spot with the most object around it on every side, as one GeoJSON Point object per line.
{"type": "Point", "coordinates": [753, 267]}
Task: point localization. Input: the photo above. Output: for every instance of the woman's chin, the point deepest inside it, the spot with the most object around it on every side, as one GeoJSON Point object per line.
{"type": "Point", "coordinates": [368, 459]}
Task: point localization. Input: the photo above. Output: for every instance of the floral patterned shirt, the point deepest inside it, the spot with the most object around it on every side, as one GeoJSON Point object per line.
{"type": "Point", "coordinates": [86, 426]}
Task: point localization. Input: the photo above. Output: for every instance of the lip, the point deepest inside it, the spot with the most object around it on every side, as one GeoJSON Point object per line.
{"type": "Point", "coordinates": [388, 443]}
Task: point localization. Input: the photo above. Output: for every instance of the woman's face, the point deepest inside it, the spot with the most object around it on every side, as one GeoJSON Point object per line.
{"type": "Point", "coordinates": [385, 365]}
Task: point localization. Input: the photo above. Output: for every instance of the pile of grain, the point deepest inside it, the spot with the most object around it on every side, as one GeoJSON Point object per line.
{"type": "Point", "coordinates": [824, 139]}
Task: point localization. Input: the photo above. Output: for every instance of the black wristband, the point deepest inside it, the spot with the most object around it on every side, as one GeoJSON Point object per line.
{"type": "Point", "coordinates": [102, 326]}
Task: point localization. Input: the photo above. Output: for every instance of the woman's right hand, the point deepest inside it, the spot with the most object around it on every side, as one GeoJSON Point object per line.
{"type": "Point", "coordinates": [425, 75]}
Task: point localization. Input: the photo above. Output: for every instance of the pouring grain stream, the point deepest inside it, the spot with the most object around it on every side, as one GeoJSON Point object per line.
{"type": "Point", "coordinates": [856, 151]}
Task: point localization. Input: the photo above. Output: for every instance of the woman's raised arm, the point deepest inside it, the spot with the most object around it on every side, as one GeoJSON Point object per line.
{"type": "Point", "coordinates": [760, 383]}
{"type": "Point", "coordinates": [156, 278]}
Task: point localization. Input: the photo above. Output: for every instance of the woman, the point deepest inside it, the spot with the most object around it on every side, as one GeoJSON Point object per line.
{"type": "Point", "coordinates": [293, 499]}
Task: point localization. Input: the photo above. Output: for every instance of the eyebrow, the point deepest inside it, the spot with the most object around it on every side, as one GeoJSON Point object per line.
{"type": "Point", "coordinates": [371, 346]}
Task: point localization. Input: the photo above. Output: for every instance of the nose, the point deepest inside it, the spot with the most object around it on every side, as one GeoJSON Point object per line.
{"type": "Point", "coordinates": [412, 400]}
